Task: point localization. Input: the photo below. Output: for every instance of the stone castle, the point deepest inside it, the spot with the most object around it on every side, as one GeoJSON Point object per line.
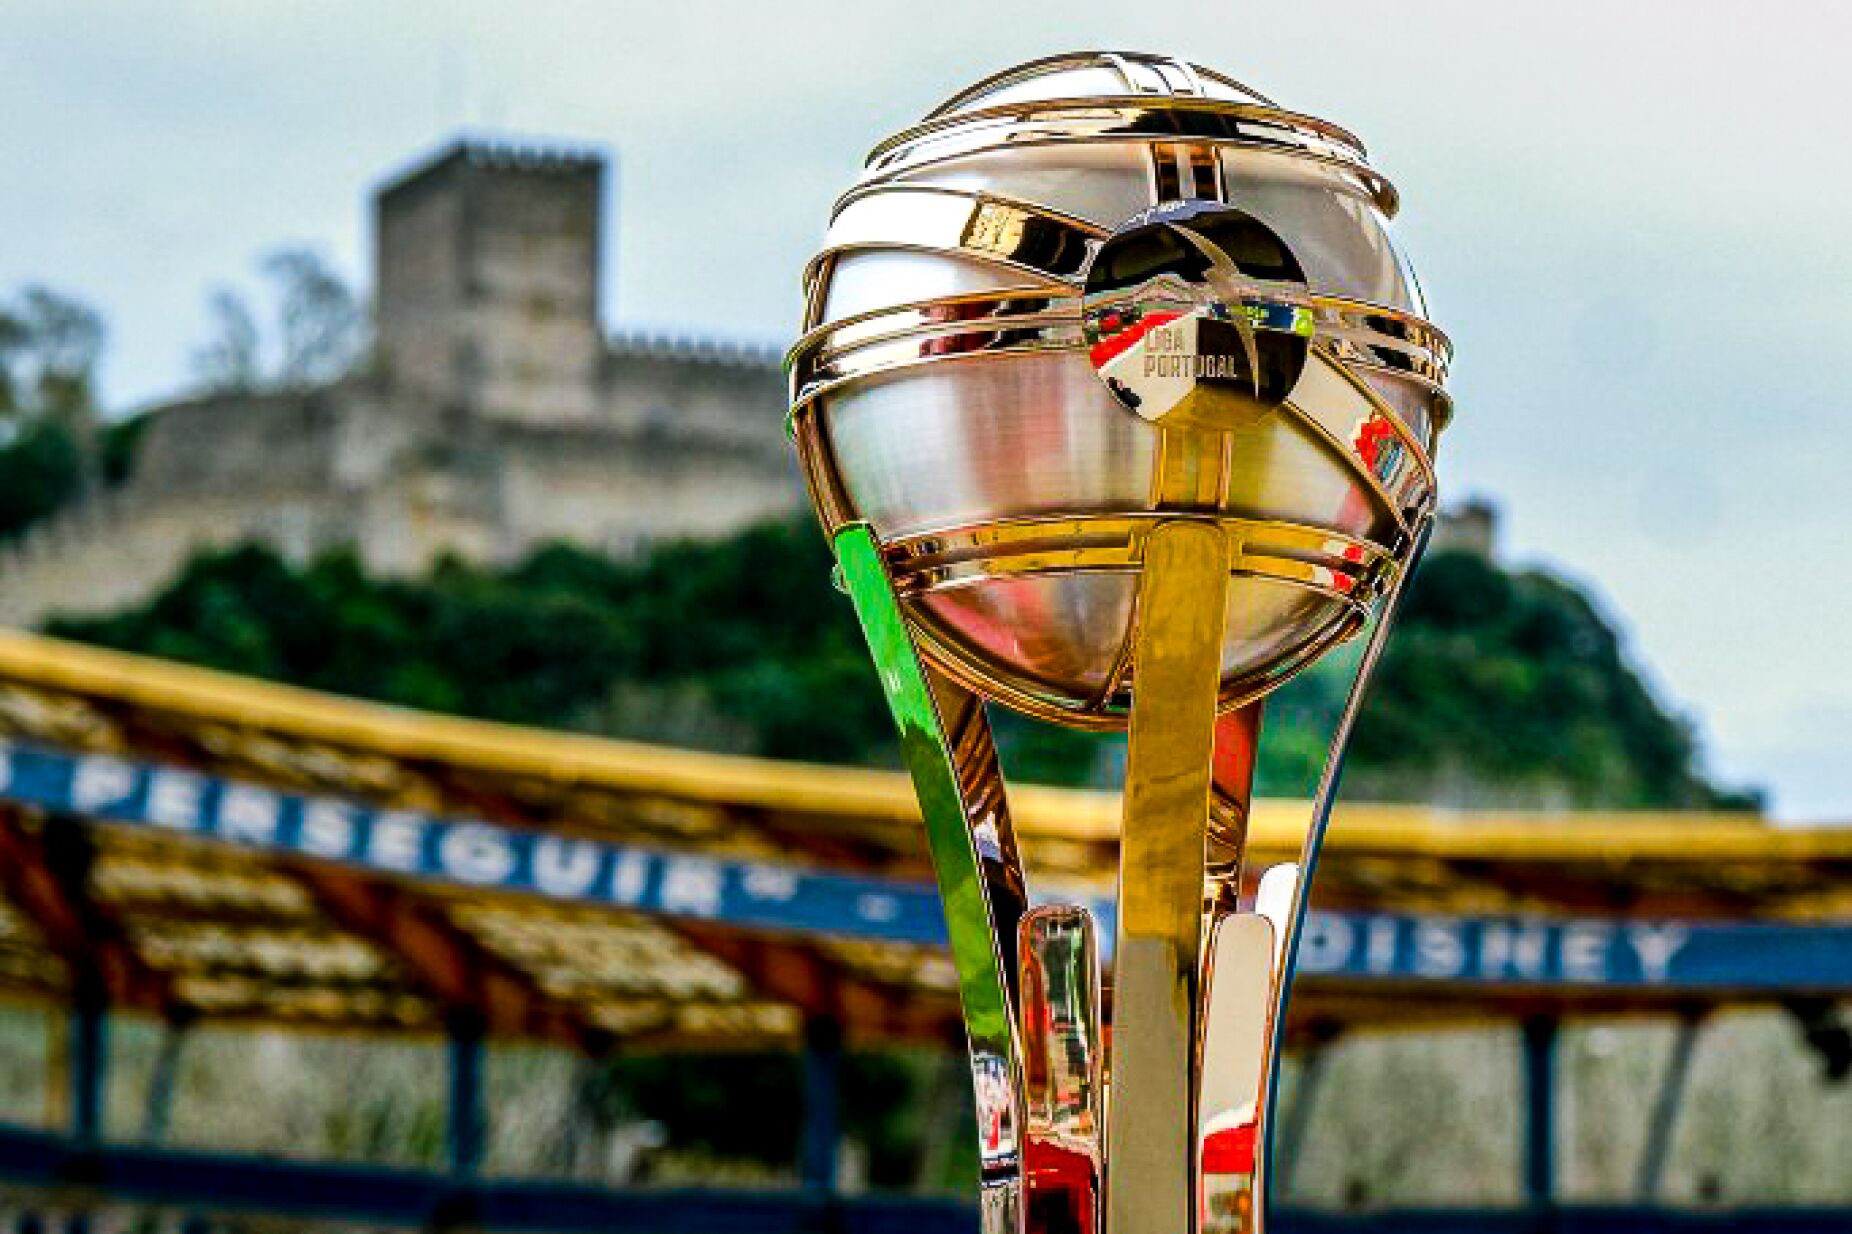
{"type": "Point", "coordinates": [495, 414]}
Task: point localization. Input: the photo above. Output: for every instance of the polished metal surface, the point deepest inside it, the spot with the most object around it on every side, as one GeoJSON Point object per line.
{"type": "Point", "coordinates": [1291, 893]}
{"type": "Point", "coordinates": [1150, 1130]}
{"type": "Point", "coordinates": [1197, 315]}
{"type": "Point", "coordinates": [947, 747]}
{"type": "Point", "coordinates": [1064, 1089]}
{"type": "Point", "coordinates": [944, 379]}
{"type": "Point", "coordinates": [1237, 1024]}
{"type": "Point", "coordinates": [1090, 73]}
{"type": "Point", "coordinates": [1120, 406]}
{"type": "Point", "coordinates": [1314, 578]}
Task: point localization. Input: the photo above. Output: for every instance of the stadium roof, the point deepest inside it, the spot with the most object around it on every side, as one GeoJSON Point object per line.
{"type": "Point", "coordinates": [165, 842]}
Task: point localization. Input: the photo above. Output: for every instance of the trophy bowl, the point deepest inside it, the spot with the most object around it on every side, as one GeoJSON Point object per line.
{"type": "Point", "coordinates": [978, 379]}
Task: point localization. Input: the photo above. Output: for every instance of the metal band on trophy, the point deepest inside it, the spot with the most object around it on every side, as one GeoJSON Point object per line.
{"type": "Point", "coordinates": [1118, 404]}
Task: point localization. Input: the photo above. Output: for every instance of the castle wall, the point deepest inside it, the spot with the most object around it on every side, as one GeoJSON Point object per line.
{"type": "Point", "coordinates": [695, 390]}
{"type": "Point", "coordinates": [495, 418]}
{"type": "Point", "coordinates": [115, 553]}
{"type": "Point", "coordinates": [402, 483]}
{"type": "Point", "coordinates": [620, 494]}
{"type": "Point", "coordinates": [208, 473]}
{"type": "Point", "coordinates": [227, 443]}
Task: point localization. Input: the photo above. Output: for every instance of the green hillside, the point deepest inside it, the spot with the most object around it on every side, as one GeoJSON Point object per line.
{"type": "Point", "coordinates": [1498, 686]}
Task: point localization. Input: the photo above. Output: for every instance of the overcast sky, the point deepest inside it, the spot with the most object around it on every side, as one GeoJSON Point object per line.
{"type": "Point", "coordinates": [1635, 219]}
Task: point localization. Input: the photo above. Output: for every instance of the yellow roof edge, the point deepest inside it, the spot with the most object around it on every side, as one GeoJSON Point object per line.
{"type": "Point", "coordinates": [211, 695]}
{"type": "Point", "coordinates": [724, 779]}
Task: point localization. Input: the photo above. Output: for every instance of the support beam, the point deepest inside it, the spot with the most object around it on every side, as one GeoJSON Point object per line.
{"type": "Point", "coordinates": [822, 1103]}
{"type": "Point", "coordinates": [89, 1027]}
{"type": "Point", "coordinates": [1663, 1120]}
{"type": "Point", "coordinates": [45, 874]}
{"type": "Point", "coordinates": [1540, 1033]}
{"type": "Point", "coordinates": [57, 1087]}
{"type": "Point", "coordinates": [466, 1118]}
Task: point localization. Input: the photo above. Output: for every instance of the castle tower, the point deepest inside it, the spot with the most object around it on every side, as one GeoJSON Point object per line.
{"type": "Point", "coordinates": [486, 269]}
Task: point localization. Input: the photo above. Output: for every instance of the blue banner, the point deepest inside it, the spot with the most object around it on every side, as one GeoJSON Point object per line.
{"type": "Point", "coordinates": [410, 844]}
{"type": "Point", "coordinates": [1625, 952]}
{"type": "Point", "coordinates": [774, 896]}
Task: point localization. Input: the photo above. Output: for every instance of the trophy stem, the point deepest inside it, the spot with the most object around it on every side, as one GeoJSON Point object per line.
{"type": "Point", "coordinates": [1323, 801]}
{"type": "Point", "coordinates": [1200, 986]}
{"type": "Point", "coordinates": [960, 791]}
{"type": "Point", "coordinates": [1151, 1117]}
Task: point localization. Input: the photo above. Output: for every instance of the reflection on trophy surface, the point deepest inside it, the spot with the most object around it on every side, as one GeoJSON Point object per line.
{"type": "Point", "coordinates": [1119, 404]}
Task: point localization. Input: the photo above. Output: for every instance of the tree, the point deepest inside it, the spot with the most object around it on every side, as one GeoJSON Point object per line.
{"type": "Point", "coordinates": [40, 472]}
{"type": "Point", "coordinates": [319, 330]}
{"type": "Point", "coordinates": [63, 340]}
{"type": "Point", "coordinates": [319, 320]}
{"type": "Point", "coordinates": [15, 337]}
{"type": "Point", "coordinates": [229, 364]}
{"type": "Point", "coordinates": [50, 344]}
{"type": "Point", "coordinates": [1510, 687]}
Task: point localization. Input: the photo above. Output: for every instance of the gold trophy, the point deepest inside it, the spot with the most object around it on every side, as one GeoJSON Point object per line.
{"type": "Point", "coordinates": [1118, 404]}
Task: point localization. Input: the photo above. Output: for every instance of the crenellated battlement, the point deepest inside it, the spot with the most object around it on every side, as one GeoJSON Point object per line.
{"type": "Point", "coordinates": [498, 155]}
{"type": "Point", "coordinates": [694, 349]}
